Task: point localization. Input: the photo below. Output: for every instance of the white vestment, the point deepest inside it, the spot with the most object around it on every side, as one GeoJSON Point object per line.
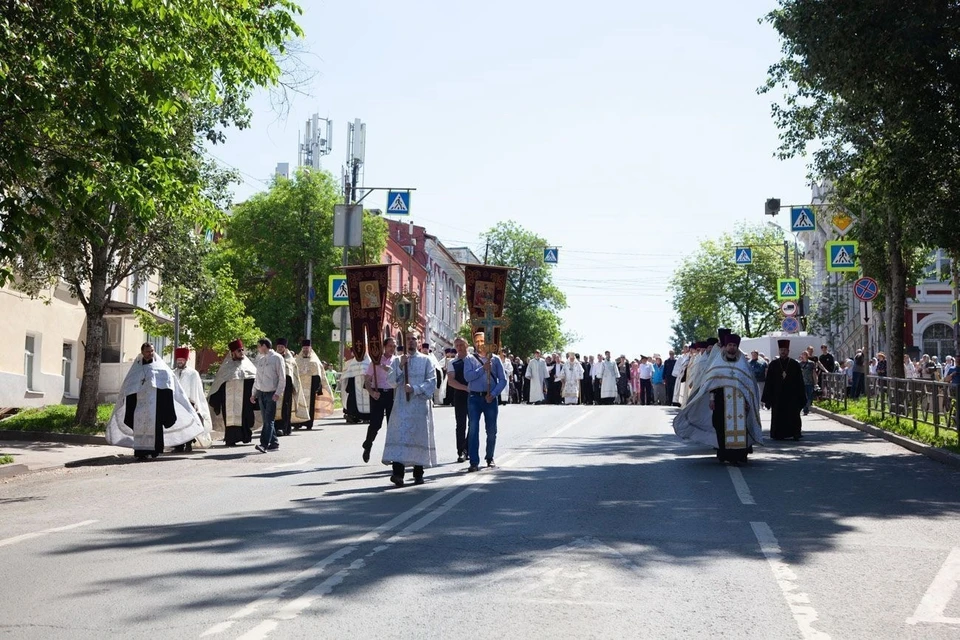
{"type": "Point", "coordinates": [298, 405]}
{"type": "Point", "coordinates": [570, 376]}
{"type": "Point", "coordinates": [144, 380]}
{"type": "Point", "coordinates": [356, 371]}
{"type": "Point", "coordinates": [233, 373]}
{"type": "Point", "coordinates": [608, 375]}
{"type": "Point", "coordinates": [508, 374]}
{"type": "Point", "coordinates": [537, 375]}
{"type": "Point", "coordinates": [310, 366]}
{"type": "Point", "coordinates": [193, 388]}
{"type": "Point", "coordinates": [678, 371]}
{"type": "Point", "coordinates": [410, 440]}
{"type": "Point", "coordinates": [694, 422]}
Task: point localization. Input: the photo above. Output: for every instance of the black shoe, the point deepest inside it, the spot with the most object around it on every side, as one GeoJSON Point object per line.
{"type": "Point", "coordinates": [273, 447]}
{"type": "Point", "coordinates": [461, 458]}
{"type": "Point", "coordinates": [473, 468]}
{"type": "Point", "coordinates": [366, 453]}
{"type": "Point", "coordinates": [397, 480]}
{"type": "Point", "coordinates": [418, 481]}
{"type": "Point", "coordinates": [797, 438]}
{"type": "Point", "coordinates": [491, 464]}
{"type": "Point", "coordinates": [180, 448]}
{"type": "Point", "coordinates": [260, 448]}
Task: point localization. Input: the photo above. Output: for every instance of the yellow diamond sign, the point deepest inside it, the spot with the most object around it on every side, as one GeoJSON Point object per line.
{"type": "Point", "coordinates": [842, 222]}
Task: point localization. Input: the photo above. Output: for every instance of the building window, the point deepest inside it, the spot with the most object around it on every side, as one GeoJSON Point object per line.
{"type": "Point", "coordinates": [938, 340]}
{"type": "Point", "coordinates": [29, 360]}
{"type": "Point", "coordinates": [67, 368]}
{"type": "Point", "coordinates": [110, 352]}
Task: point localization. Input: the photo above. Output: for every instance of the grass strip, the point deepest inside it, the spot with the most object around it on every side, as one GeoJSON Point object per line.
{"type": "Point", "coordinates": [857, 409]}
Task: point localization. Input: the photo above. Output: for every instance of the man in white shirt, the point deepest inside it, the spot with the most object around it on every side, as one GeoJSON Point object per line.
{"type": "Point", "coordinates": [646, 384]}
{"type": "Point", "coordinates": [268, 388]}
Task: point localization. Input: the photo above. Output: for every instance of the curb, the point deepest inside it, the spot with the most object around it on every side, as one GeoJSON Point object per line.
{"type": "Point", "coordinates": [41, 436]}
{"type": "Point", "coordinates": [10, 470]}
{"type": "Point", "coordinates": [934, 453]}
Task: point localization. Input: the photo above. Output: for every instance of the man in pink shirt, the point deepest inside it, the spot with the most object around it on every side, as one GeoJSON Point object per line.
{"type": "Point", "coordinates": [381, 392]}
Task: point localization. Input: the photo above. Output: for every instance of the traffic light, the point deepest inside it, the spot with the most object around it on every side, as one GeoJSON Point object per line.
{"type": "Point", "coordinates": [772, 206]}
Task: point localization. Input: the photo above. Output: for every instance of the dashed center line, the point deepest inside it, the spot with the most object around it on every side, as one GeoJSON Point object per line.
{"type": "Point", "coordinates": [38, 534]}
{"type": "Point", "coordinates": [740, 485]}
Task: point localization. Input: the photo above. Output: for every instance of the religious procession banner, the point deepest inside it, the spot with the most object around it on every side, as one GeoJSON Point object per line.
{"type": "Point", "coordinates": [486, 291]}
{"type": "Point", "coordinates": [367, 287]}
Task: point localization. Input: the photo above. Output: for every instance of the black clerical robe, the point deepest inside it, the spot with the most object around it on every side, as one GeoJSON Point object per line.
{"type": "Point", "coordinates": [586, 385]}
{"type": "Point", "coordinates": [786, 396]}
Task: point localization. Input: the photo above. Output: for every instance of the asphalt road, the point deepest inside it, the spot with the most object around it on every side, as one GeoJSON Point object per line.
{"type": "Point", "coordinates": [598, 524]}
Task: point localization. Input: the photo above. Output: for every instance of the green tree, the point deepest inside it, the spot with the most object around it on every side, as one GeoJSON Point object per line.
{"type": "Point", "coordinates": [211, 312]}
{"type": "Point", "coordinates": [99, 101]}
{"type": "Point", "coordinates": [269, 242]}
{"type": "Point", "coordinates": [873, 85]}
{"type": "Point", "coordinates": [105, 110]}
{"type": "Point", "coordinates": [533, 301]}
{"type": "Point", "coordinates": [710, 290]}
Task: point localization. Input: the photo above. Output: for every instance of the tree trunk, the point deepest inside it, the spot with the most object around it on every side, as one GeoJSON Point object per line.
{"type": "Point", "coordinates": [93, 347]}
{"type": "Point", "coordinates": [955, 278]}
{"type": "Point", "coordinates": [898, 291]}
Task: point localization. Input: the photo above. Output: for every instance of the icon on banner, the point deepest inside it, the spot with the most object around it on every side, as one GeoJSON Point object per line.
{"type": "Point", "coordinates": [551, 255]}
{"type": "Point", "coordinates": [802, 219]}
{"type": "Point", "coordinates": [842, 255]}
{"type": "Point", "coordinates": [744, 255]}
{"type": "Point", "coordinates": [339, 295]}
{"type": "Point", "coordinates": [398, 203]}
{"type": "Point", "coordinates": [788, 289]}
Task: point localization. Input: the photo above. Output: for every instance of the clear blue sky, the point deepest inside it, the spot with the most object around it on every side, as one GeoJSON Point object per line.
{"type": "Point", "coordinates": [623, 132]}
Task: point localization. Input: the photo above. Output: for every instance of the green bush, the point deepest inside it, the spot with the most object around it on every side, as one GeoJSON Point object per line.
{"type": "Point", "coordinates": [857, 409]}
{"type": "Point", "coordinates": [5, 459]}
{"type": "Point", "coordinates": [56, 418]}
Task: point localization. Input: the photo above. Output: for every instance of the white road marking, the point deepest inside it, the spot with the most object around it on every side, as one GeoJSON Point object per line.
{"type": "Point", "coordinates": [299, 462]}
{"type": "Point", "coordinates": [740, 484]}
{"type": "Point", "coordinates": [294, 608]}
{"type": "Point", "coordinates": [38, 534]}
{"type": "Point", "coordinates": [939, 594]}
{"type": "Point", "coordinates": [799, 603]}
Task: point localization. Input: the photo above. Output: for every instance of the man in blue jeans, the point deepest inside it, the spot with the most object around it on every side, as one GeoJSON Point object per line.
{"type": "Point", "coordinates": [485, 381]}
{"type": "Point", "coordinates": [268, 388]}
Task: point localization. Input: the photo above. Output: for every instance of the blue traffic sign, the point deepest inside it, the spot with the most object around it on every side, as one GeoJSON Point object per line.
{"type": "Point", "coordinates": [551, 255]}
{"type": "Point", "coordinates": [338, 295]}
{"type": "Point", "coordinates": [866, 289]}
{"type": "Point", "coordinates": [791, 324]}
{"type": "Point", "coordinates": [842, 255]}
{"type": "Point", "coordinates": [802, 219]}
{"type": "Point", "coordinates": [743, 256]}
{"type": "Point", "coordinates": [398, 203]}
{"type": "Point", "coordinates": [788, 289]}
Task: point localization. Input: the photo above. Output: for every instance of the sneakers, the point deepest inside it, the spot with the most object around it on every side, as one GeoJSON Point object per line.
{"type": "Point", "coordinates": [491, 464]}
{"type": "Point", "coordinates": [461, 458]}
{"type": "Point", "coordinates": [473, 468]}
{"type": "Point", "coordinates": [260, 448]}
{"type": "Point", "coordinates": [273, 447]}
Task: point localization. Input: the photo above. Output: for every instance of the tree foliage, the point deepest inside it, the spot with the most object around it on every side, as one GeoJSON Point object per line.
{"type": "Point", "coordinates": [269, 242]}
{"type": "Point", "coordinates": [533, 301]}
{"type": "Point", "coordinates": [211, 311]}
{"type": "Point", "coordinates": [99, 101]}
{"type": "Point", "coordinates": [875, 84]}
{"type": "Point", "coordinates": [710, 290]}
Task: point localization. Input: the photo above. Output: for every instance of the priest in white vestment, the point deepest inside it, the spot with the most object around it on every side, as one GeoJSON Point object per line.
{"type": "Point", "coordinates": [152, 411]}
{"type": "Point", "coordinates": [608, 373]}
{"type": "Point", "coordinates": [410, 439]}
{"type": "Point", "coordinates": [316, 387]}
{"type": "Point", "coordinates": [537, 375]}
{"type": "Point", "coordinates": [571, 373]}
{"type": "Point", "coordinates": [353, 392]}
{"type": "Point", "coordinates": [508, 373]}
{"type": "Point", "coordinates": [193, 388]}
{"type": "Point", "coordinates": [292, 407]}
{"type": "Point", "coordinates": [679, 370]}
{"type": "Point", "coordinates": [230, 395]}
{"type": "Point", "coordinates": [724, 412]}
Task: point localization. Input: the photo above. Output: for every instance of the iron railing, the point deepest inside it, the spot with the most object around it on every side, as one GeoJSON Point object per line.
{"type": "Point", "coordinates": [833, 386]}
{"type": "Point", "coordinates": [919, 401]}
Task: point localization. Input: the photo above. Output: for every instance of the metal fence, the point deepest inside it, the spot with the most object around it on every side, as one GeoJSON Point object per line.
{"type": "Point", "coordinates": [917, 401]}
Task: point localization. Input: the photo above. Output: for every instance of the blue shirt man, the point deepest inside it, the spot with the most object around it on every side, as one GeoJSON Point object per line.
{"type": "Point", "coordinates": [483, 397]}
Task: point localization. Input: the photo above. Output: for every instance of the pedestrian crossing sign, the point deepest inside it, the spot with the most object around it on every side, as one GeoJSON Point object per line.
{"type": "Point", "coordinates": [338, 294]}
{"type": "Point", "coordinates": [551, 255]}
{"type": "Point", "coordinates": [842, 255]}
{"type": "Point", "coordinates": [788, 289]}
{"type": "Point", "coordinates": [398, 203]}
{"type": "Point", "coordinates": [802, 219]}
{"type": "Point", "coordinates": [743, 256]}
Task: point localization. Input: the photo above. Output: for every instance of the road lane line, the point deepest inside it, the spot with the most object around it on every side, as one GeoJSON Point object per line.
{"type": "Point", "coordinates": [799, 603]}
{"type": "Point", "coordinates": [740, 484]}
{"type": "Point", "coordinates": [38, 534]}
{"type": "Point", "coordinates": [294, 608]}
{"type": "Point", "coordinates": [939, 594]}
{"type": "Point", "coordinates": [299, 462]}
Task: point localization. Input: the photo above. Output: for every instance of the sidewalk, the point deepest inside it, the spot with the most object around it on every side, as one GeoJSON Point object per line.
{"type": "Point", "coordinates": [37, 456]}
